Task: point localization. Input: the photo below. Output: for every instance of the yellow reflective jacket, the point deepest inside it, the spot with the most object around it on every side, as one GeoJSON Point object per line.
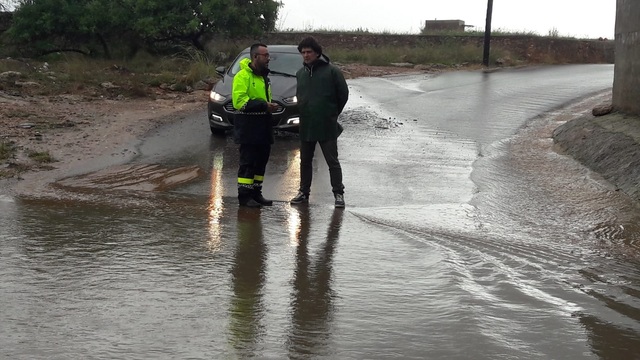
{"type": "Point", "coordinates": [252, 123]}
{"type": "Point", "coordinates": [249, 86]}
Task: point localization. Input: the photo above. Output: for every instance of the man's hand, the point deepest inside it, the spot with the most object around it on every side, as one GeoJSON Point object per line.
{"type": "Point", "coordinates": [272, 107]}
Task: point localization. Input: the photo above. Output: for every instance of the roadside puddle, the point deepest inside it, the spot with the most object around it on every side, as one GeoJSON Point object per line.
{"type": "Point", "coordinates": [141, 177]}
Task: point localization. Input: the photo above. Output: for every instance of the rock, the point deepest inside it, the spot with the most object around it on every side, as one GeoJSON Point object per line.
{"type": "Point", "coordinates": [65, 124]}
{"type": "Point", "coordinates": [507, 61]}
{"type": "Point", "coordinates": [120, 69]}
{"type": "Point", "coordinates": [202, 85]}
{"type": "Point", "coordinates": [27, 84]}
{"type": "Point", "coordinates": [10, 75]}
{"type": "Point", "coordinates": [181, 88]}
{"type": "Point", "coordinates": [403, 64]}
{"type": "Point", "coordinates": [602, 110]}
{"type": "Point", "coordinates": [109, 85]}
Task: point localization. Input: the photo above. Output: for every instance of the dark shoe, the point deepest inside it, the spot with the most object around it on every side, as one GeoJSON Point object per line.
{"type": "Point", "coordinates": [257, 196]}
{"type": "Point", "coordinates": [300, 198]}
{"type": "Point", "coordinates": [339, 200]}
{"type": "Point", "coordinates": [249, 202]}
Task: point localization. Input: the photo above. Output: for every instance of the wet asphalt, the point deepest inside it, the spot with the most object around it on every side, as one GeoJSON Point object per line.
{"type": "Point", "coordinates": [465, 235]}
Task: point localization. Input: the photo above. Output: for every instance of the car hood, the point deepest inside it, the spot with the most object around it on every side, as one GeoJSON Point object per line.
{"type": "Point", "coordinates": [281, 86]}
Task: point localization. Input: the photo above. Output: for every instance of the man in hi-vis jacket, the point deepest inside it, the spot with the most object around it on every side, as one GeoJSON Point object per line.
{"type": "Point", "coordinates": [252, 128]}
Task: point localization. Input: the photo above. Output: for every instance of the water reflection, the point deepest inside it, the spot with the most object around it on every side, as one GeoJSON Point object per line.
{"type": "Point", "coordinates": [312, 308]}
{"type": "Point", "coordinates": [248, 274]}
{"type": "Point", "coordinates": [296, 226]}
{"type": "Point", "coordinates": [290, 170]}
{"type": "Point", "coordinates": [611, 342]}
{"type": "Point", "coordinates": [215, 208]}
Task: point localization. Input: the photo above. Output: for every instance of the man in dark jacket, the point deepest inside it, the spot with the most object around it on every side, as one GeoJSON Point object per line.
{"type": "Point", "coordinates": [322, 93]}
{"type": "Point", "coordinates": [253, 130]}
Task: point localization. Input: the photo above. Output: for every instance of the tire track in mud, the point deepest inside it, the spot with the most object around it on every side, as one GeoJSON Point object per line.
{"type": "Point", "coordinates": [138, 177]}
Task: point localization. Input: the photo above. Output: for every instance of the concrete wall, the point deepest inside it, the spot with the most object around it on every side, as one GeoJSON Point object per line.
{"type": "Point", "coordinates": [626, 78]}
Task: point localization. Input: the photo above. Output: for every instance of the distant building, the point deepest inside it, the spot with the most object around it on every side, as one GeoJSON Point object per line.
{"type": "Point", "coordinates": [443, 25]}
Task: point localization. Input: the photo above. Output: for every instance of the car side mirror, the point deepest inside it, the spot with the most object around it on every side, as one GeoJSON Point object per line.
{"type": "Point", "coordinates": [220, 70]}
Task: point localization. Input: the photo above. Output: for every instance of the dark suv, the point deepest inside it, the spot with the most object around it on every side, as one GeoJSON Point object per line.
{"type": "Point", "coordinates": [285, 62]}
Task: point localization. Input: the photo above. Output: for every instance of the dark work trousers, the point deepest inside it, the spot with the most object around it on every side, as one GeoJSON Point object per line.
{"type": "Point", "coordinates": [253, 163]}
{"type": "Point", "coordinates": [330, 152]}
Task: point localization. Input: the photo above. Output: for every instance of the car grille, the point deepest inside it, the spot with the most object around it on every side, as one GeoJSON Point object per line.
{"type": "Point", "coordinates": [229, 108]}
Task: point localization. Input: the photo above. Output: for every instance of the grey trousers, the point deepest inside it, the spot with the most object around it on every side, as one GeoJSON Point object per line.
{"type": "Point", "coordinates": [330, 152]}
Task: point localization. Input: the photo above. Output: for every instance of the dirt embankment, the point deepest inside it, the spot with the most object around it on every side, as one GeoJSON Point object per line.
{"type": "Point", "coordinates": [608, 145]}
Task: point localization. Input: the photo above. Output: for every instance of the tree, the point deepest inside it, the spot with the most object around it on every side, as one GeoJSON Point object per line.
{"type": "Point", "coordinates": [95, 26]}
{"type": "Point", "coordinates": [189, 20]}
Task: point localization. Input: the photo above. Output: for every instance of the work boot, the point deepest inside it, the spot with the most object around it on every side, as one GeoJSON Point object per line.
{"type": "Point", "coordinates": [248, 202]}
{"type": "Point", "coordinates": [257, 196]}
{"type": "Point", "coordinates": [245, 196]}
{"type": "Point", "coordinates": [339, 200]}
{"type": "Point", "coordinates": [300, 198]}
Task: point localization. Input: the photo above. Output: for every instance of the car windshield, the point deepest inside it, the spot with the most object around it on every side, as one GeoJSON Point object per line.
{"type": "Point", "coordinates": [285, 63]}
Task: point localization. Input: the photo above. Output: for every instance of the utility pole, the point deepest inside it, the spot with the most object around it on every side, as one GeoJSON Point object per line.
{"type": "Point", "coordinates": [487, 34]}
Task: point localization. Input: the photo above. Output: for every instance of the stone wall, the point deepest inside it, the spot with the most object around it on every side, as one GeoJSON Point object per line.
{"type": "Point", "coordinates": [530, 48]}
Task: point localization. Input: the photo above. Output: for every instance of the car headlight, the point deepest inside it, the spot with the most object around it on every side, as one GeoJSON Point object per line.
{"type": "Point", "coordinates": [290, 100]}
{"type": "Point", "coordinates": [214, 96]}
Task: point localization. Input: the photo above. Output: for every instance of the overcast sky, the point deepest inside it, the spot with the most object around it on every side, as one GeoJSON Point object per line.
{"type": "Point", "coordinates": [576, 18]}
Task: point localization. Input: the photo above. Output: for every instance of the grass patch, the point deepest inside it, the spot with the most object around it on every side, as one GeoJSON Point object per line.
{"type": "Point", "coordinates": [200, 65]}
{"type": "Point", "coordinates": [446, 54]}
{"type": "Point", "coordinates": [7, 150]}
{"type": "Point", "coordinates": [41, 157]}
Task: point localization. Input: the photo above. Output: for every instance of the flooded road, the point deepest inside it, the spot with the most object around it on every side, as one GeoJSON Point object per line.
{"type": "Point", "coordinates": [465, 236]}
